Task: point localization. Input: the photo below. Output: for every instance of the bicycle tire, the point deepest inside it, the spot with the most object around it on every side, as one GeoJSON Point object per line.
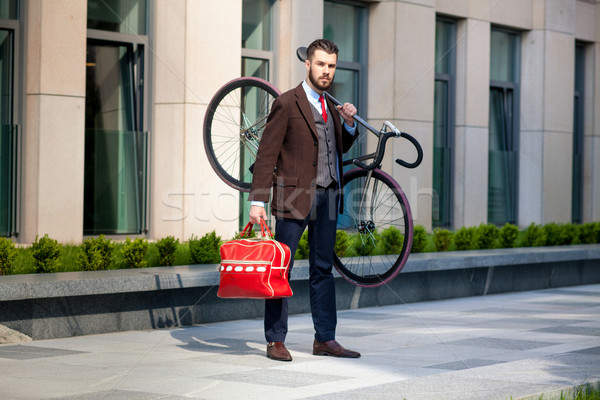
{"type": "Point", "coordinates": [368, 251]}
{"type": "Point", "coordinates": [233, 125]}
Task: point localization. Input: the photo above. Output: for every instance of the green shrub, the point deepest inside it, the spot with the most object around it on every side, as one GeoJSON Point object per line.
{"type": "Point", "coordinates": [342, 242]}
{"type": "Point", "coordinates": [249, 235]}
{"type": "Point", "coordinates": [463, 238]}
{"type": "Point", "coordinates": [134, 252]}
{"type": "Point", "coordinates": [366, 244]}
{"type": "Point", "coordinates": [8, 252]}
{"type": "Point", "coordinates": [166, 250]}
{"type": "Point", "coordinates": [508, 236]}
{"type": "Point", "coordinates": [96, 254]}
{"type": "Point", "coordinates": [558, 234]}
{"type": "Point", "coordinates": [534, 236]}
{"type": "Point", "coordinates": [206, 249]}
{"type": "Point", "coordinates": [46, 254]}
{"type": "Point", "coordinates": [419, 239]}
{"type": "Point", "coordinates": [392, 240]}
{"type": "Point", "coordinates": [485, 236]}
{"type": "Point", "coordinates": [302, 250]}
{"type": "Point", "coordinates": [442, 239]}
{"type": "Point", "coordinates": [586, 233]}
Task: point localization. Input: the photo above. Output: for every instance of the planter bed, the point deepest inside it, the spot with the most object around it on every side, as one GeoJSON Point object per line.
{"type": "Point", "coordinates": [66, 304]}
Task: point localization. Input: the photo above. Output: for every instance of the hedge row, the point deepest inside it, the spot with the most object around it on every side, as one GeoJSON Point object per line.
{"type": "Point", "coordinates": [94, 254]}
{"type": "Point", "coordinates": [488, 236]}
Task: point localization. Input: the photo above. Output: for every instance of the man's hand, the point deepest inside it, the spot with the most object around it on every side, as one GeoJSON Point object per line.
{"type": "Point", "coordinates": [347, 111]}
{"type": "Point", "coordinates": [256, 213]}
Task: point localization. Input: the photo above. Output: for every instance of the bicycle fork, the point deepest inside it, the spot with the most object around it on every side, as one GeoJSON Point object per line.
{"type": "Point", "coordinates": [366, 218]}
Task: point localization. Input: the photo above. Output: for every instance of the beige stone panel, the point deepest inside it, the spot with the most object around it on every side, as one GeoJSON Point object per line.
{"type": "Point", "coordinates": [414, 63]}
{"type": "Point", "coordinates": [210, 203]}
{"type": "Point", "coordinates": [558, 153]}
{"type": "Point", "coordinates": [481, 9]}
{"type": "Point", "coordinates": [300, 22]}
{"type": "Point", "coordinates": [416, 183]}
{"type": "Point", "coordinates": [166, 171]}
{"type": "Point", "coordinates": [532, 80]}
{"type": "Point", "coordinates": [513, 13]}
{"type": "Point", "coordinates": [455, 8]}
{"type": "Point", "coordinates": [585, 21]}
{"type": "Point", "coordinates": [560, 16]}
{"type": "Point", "coordinates": [56, 46]}
{"type": "Point", "coordinates": [168, 51]}
{"type": "Point", "coordinates": [558, 84]}
{"type": "Point", "coordinates": [591, 179]}
{"type": "Point", "coordinates": [531, 175]}
{"type": "Point", "coordinates": [212, 48]}
{"type": "Point", "coordinates": [470, 176]}
{"type": "Point", "coordinates": [539, 14]}
{"type": "Point", "coordinates": [473, 73]}
{"type": "Point", "coordinates": [53, 154]}
{"type": "Point", "coordinates": [382, 27]}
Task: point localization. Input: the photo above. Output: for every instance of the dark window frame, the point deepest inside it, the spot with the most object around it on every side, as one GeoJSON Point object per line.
{"type": "Point", "coordinates": [14, 140]}
{"type": "Point", "coordinates": [512, 87]}
{"type": "Point", "coordinates": [446, 200]}
{"type": "Point", "coordinates": [141, 69]}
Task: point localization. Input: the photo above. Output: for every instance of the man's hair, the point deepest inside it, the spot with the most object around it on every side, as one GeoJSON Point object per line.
{"type": "Point", "coordinates": [322, 44]}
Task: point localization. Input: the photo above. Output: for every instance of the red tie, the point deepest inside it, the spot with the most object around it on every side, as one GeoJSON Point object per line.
{"type": "Point", "coordinates": [323, 110]}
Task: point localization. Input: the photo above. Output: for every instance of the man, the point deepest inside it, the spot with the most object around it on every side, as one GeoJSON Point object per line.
{"type": "Point", "coordinates": [300, 157]}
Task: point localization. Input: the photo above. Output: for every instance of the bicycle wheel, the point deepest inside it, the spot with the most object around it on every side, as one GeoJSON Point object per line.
{"type": "Point", "coordinates": [375, 231]}
{"type": "Point", "coordinates": [233, 126]}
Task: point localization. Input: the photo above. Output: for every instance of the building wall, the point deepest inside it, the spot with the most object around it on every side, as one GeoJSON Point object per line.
{"type": "Point", "coordinates": [195, 48]}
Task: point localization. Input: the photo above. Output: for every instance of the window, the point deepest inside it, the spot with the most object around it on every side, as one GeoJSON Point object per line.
{"type": "Point", "coordinates": [503, 127]}
{"type": "Point", "coordinates": [257, 59]}
{"type": "Point", "coordinates": [443, 121]}
{"type": "Point", "coordinates": [257, 49]}
{"type": "Point", "coordinates": [345, 25]}
{"type": "Point", "coordinates": [115, 140]}
{"type": "Point", "coordinates": [9, 28]}
{"type": "Point", "coordinates": [578, 134]}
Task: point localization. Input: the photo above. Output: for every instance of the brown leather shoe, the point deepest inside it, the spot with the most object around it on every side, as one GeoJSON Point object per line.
{"type": "Point", "coordinates": [277, 351]}
{"type": "Point", "coordinates": [333, 348]}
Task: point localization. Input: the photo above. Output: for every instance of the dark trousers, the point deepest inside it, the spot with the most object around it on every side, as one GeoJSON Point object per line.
{"type": "Point", "coordinates": [321, 222]}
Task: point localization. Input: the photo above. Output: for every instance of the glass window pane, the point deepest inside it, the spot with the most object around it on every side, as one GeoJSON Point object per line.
{"type": "Point", "coordinates": [443, 45]}
{"type": "Point", "coordinates": [256, 67]}
{"type": "Point", "coordinates": [115, 151]}
{"type": "Point", "coordinates": [578, 134]}
{"type": "Point", "coordinates": [343, 27]}
{"type": "Point", "coordinates": [504, 47]}
{"type": "Point", "coordinates": [123, 16]}
{"type": "Point", "coordinates": [345, 89]}
{"type": "Point", "coordinates": [9, 9]}
{"type": "Point", "coordinates": [256, 24]}
{"type": "Point", "coordinates": [502, 159]}
{"type": "Point", "coordinates": [441, 156]}
{"type": "Point", "coordinates": [7, 137]}
{"type": "Point", "coordinates": [252, 100]}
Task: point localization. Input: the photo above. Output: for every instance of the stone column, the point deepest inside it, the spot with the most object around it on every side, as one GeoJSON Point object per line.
{"type": "Point", "coordinates": [591, 156]}
{"type": "Point", "coordinates": [300, 22]}
{"type": "Point", "coordinates": [546, 134]}
{"type": "Point", "coordinates": [472, 119]}
{"type": "Point", "coordinates": [54, 122]}
{"type": "Point", "coordinates": [194, 55]}
{"type": "Point", "coordinates": [401, 85]}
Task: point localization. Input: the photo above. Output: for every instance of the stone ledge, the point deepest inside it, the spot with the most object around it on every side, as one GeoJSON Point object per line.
{"type": "Point", "coordinates": [38, 286]}
{"type": "Point", "coordinates": [57, 305]}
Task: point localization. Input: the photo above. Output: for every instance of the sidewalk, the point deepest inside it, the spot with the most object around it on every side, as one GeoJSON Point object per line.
{"type": "Point", "coordinates": [518, 345]}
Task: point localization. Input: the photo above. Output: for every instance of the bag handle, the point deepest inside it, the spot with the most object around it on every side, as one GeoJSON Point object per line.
{"type": "Point", "coordinates": [263, 227]}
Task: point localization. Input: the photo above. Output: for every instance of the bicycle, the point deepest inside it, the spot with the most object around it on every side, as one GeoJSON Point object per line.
{"type": "Point", "coordinates": [375, 231]}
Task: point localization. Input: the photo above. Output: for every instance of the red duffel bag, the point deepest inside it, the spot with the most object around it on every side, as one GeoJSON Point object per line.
{"type": "Point", "coordinates": [254, 268]}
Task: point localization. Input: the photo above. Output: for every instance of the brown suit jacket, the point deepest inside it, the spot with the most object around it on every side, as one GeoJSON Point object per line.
{"type": "Point", "coordinates": [288, 152]}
